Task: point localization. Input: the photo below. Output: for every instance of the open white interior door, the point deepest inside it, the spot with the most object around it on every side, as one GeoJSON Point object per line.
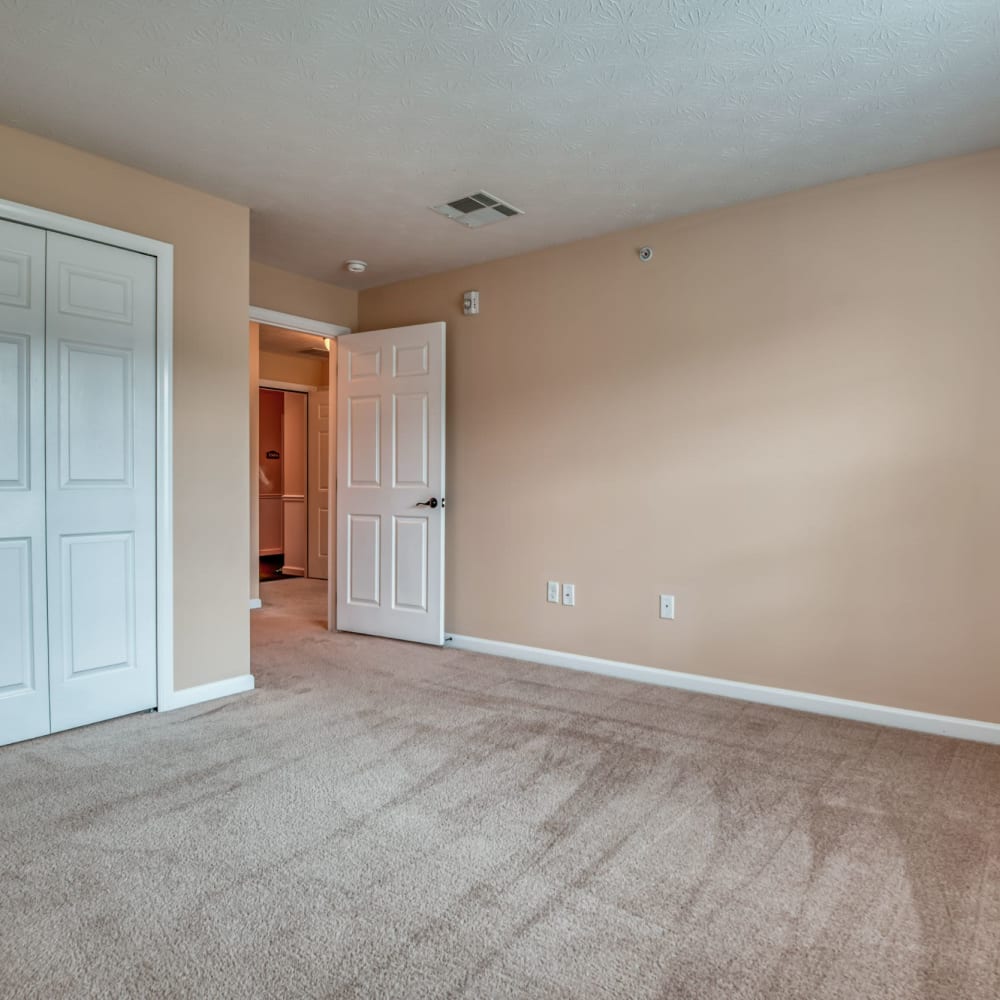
{"type": "Point", "coordinates": [390, 482]}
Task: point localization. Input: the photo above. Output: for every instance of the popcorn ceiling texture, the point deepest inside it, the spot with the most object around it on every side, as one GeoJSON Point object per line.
{"type": "Point", "coordinates": [339, 123]}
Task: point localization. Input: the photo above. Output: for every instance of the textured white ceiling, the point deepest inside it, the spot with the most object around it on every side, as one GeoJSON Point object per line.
{"type": "Point", "coordinates": [338, 123]}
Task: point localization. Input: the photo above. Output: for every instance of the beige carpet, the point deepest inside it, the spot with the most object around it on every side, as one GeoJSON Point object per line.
{"type": "Point", "coordinates": [381, 820]}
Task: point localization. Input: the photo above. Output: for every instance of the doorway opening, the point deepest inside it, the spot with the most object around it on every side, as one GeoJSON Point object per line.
{"type": "Point", "coordinates": [289, 530]}
{"type": "Point", "coordinates": [380, 422]}
{"type": "Point", "coordinates": [292, 379]}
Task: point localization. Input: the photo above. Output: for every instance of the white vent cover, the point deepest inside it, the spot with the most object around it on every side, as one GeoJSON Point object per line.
{"type": "Point", "coordinates": [479, 209]}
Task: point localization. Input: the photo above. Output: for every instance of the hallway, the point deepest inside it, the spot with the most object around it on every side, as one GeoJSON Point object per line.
{"type": "Point", "coordinates": [290, 603]}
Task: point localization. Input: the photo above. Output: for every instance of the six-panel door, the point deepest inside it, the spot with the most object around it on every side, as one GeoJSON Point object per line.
{"type": "Point", "coordinates": [100, 372]}
{"type": "Point", "coordinates": [390, 483]}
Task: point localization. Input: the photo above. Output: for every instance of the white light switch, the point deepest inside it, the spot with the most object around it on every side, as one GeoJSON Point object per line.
{"type": "Point", "coordinates": [666, 606]}
{"type": "Point", "coordinates": [569, 594]}
{"type": "Point", "coordinates": [553, 592]}
{"type": "Point", "coordinates": [470, 303]}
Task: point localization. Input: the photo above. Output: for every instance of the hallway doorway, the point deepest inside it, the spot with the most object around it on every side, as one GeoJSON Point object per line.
{"type": "Point", "coordinates": [291, 452]}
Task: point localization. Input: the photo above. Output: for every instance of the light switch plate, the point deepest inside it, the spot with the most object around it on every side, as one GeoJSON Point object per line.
{"type": "Point", "coordinates": [553, 592]}
{"type": "Point", "coordinates": [667, 606]}
{"type": "Point", "coordinates": [569, 594]}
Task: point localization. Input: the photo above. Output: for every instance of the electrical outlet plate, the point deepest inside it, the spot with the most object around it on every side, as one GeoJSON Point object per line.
{"type": "Point", "coordinates": [569, 594]}
{"type": "Point", "coordinates": [553, 592]}
{"type": "Point", "coordinates": [667, 606]}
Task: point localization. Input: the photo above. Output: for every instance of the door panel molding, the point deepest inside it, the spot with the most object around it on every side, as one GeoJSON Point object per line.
{"type": "Point", "coordinates": [80, 364]}
{"type": "Point", "coordinates": [98, 580]}
{"type": "Point", "coordinates": [17, 613]}
{"type": "Point", "coordinates": [15, 415]}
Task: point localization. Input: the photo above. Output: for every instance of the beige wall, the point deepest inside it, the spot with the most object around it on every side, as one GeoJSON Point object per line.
{"type": "Point", "coordinates": [211, 244]}
{"type": "Point", "coordinates": [288, 368]}
{"type": "Point", "coordinates": [790, 419]}
{"type": "Point", "coordinates": [272, 288]}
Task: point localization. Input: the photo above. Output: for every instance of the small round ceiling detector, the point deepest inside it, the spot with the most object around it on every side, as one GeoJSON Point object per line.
{"type": "Point", "coordinates": [356, 266]}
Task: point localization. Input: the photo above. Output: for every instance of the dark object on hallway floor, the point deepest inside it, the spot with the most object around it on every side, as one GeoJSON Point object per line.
{"type": "Point", "coordinates": [270, 569]}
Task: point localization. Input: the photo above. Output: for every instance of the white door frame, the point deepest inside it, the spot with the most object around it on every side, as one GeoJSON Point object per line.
{"type": "Point", "coordinates": [163, 253]}
{"type": "Point", "coordinates": [302, 324]}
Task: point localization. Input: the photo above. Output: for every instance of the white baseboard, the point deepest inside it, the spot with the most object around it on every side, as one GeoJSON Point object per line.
{"type": "Point", "coordinates": [208, 692]}
{"type": "Point", "coordinates": [255, 603]}
{"type": "Point", "coordinates": [841, 708]}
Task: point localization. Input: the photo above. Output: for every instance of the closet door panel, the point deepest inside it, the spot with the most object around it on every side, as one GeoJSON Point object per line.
{"type": "Point", "coordinates": [101, 538]}
{"type": "Point", "coordinates": [24, 687]}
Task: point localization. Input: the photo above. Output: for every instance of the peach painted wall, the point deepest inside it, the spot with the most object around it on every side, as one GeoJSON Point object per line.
{"type": "Point", "coordinates": [272, 288]}
{"type": "Point", "coordinates": [288, 368]}
{"type": "Point", "coordinates": [211, 241]}
{"type": "Point", "coordinates": [271, 470]}
{"type": "Point", "coordinates": [789, 419]}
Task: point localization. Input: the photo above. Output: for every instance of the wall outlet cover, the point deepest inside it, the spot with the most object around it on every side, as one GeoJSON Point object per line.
{"type": "Point", "coordinates": [553, 592]}
{"type": "Point", "coordinates": [569, 594]}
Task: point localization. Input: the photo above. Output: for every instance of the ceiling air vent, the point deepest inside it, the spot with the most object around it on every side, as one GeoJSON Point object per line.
{"type": "Point", "coordinates": [479, 209]}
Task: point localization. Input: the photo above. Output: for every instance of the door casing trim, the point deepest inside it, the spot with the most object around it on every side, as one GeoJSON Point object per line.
{"type": "Point", "coordinates": [270, 317]}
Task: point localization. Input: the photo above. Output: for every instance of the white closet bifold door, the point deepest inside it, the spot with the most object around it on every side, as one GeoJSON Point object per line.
{"type": "Point", "coordinates": [100, 486]}
{"type": "Point", "coordinates": [24, 679]}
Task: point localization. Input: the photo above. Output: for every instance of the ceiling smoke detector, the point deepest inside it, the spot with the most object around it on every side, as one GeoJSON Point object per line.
{"type": "Point", "coordinates": [479, 209]}
{"type": "Point", "coordinates": [356, 266]}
